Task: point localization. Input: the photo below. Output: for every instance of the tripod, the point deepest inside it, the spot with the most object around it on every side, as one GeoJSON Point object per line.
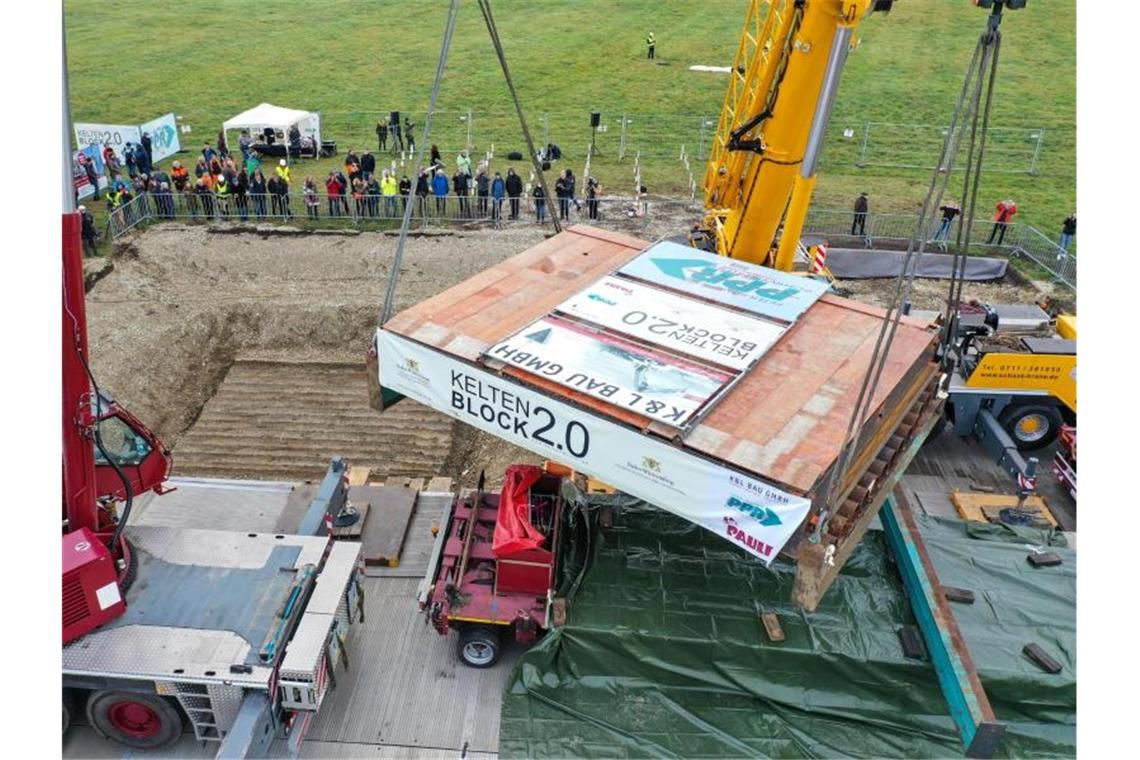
{"type": "Point", "coordinates": [594, 141]}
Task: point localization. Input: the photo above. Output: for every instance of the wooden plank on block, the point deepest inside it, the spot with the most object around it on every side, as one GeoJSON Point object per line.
{"type": "Point", "coordinates": [389, 513]}
{"type": "Point", "coordinates": [358, 476]}
{"type": "Point", "coordinates": [772, 626]}
{"type": "Point", "coordinates": [438, 484]}
{"type": "Point", "coordinates": [986, 507]}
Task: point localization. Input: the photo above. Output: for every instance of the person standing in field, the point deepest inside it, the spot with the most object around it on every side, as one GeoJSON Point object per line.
{"type": "Point", "coordinates": [312, 202]}
{"type": "Point", "coordinates": [223, 149]}
{"type": "Point", "coordinates": [422, 192]}
{"type": "Point", "coordinates": [482, 190]}
{"type": "Point", "coordinates": [89, 232]}
{"type": "Point", "coordinates": [274, 188]}
{"type": "Point", "coordinates": [440, 187]}
{"type": "Point", "coordinates": [408, 126]}
{"type": "Point", "coordinates": [459, 183]}
{"type": "Point", "coordinates": [651, 45]}
{"type": "Point", "coordinates": [498, 192]}
{"type": "Point", "coordinates": [258, 189]}
{"type": "Point", "coordinates": [244, 144]}
{"type": "Point", "coordinates": [148, 148]}
{"type": "Point", "coordinates": [539, 203]}
{"type": "Point", "coordinates": [1068, 231]}
{"type": "Point", "coordinates": [562, 192]}
{"type": "Point", "coordinates": [591, 197]}
{"type": "Point", "coordinates": [949, 211]}
{"type": "Point", "coordinates": [514, 187]}
{"type": "Point", "coordinates": [1003, 214]}
{"type": "Point", "coordinates": [373, 192]}
{"type": "Point", "coordinates": [368, 165]}
{"type": "Point", "coordinates": [389, 187]}
{"type": "Point", "coordinates": [333, 188]}
{"type": "Point", "coordinates": [240, 190]}
{"type": "Point", "coordinates": [381, 136]}
{"type": "Point", "coordinates": [859, 220]}
{"type": "Point", "coordinates": [405, 188]}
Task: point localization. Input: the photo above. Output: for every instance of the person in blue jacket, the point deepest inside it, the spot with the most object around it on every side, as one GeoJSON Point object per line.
{"type": "Point", "coordinates": [440, 187]}
{"type": "Point", "coordinates": [498, 193]}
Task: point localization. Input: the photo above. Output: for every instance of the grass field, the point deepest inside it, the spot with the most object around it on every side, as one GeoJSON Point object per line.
{"type": "Point", "coordinates": [207, 60]}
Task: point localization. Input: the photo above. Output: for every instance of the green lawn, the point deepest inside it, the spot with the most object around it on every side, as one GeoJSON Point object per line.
{"type": "Point", "coordinates": [206, 60]}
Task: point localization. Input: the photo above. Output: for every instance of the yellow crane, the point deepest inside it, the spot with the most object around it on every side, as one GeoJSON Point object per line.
{"type": "Point", "coordinates": [762, 164]}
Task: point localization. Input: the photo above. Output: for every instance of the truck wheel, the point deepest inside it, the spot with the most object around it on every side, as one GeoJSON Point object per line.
{"type": "Point", "coordinates": [480, 647]}
{"type": "Point", "coordinates": [66, 712]}
{"type": "Point", "coordinates": [143, 721]}
{"type": "Point", "coordinates": [1031, 426]}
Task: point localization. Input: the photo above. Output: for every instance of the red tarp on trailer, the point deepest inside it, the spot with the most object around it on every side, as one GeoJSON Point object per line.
{"type": "Point", "coordinates": [513, 531]}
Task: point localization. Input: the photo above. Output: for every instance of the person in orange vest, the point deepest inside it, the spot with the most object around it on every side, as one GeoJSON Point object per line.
{"type": "Point", "coordinates": [1003, 214]}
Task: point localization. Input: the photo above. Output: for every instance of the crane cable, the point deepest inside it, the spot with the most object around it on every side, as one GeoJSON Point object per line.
{"type": "Point", "coordinates": [485, 7]}
{"type": "Point", "coordinates": [394, 275]}
{"type": "Point", "coordinates": [904, 284]}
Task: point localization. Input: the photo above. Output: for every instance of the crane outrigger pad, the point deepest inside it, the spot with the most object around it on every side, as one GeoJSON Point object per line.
{"type": "Point", "coordinates": [750, 460]}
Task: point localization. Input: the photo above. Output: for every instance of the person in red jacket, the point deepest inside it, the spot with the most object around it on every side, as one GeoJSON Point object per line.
{"type": "Point", "coordinates": [1003, 214]}
{"type": "Point", "coordinates": [334, 189]}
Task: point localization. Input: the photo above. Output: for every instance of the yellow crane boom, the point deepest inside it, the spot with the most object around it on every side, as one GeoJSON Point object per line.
{"type": "Point", "coordinates": [762, 164]}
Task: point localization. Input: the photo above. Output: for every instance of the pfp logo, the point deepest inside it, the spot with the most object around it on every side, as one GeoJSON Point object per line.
{"type": "Point", "coordinates": [601, 299]}
{"type": "Point", "coordinates": [762, 515]}
{"type": "Point", "coordinates": [695, 270]}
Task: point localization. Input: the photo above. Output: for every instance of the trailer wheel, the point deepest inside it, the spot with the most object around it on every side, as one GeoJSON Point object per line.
{"type": "Point", "coordinates": [480, 647]}
{"type": "Point", "coordinates": [1031, 426]}
{"type": "Point", "coordinates": [143, 721]}
{"type": "Point", "coordinates": [66, 712]}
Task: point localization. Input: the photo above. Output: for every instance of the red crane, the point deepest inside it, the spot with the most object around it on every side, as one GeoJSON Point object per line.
{"type": "Point", "coordinates": [109, 456]}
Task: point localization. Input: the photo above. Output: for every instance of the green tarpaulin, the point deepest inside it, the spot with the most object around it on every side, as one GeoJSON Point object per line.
{"type": "Point", "coordinates": [663, 652]}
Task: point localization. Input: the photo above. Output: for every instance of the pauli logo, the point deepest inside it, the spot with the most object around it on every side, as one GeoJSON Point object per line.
{"type": "Point", "coordinates": [695, 270]}
{"type": "Point", "coordinates": [743, 537]}
{"type": "Point", "coordinates": [762, 515]}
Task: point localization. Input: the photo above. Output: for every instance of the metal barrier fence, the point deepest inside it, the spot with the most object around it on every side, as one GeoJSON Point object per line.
{"type": "Point", "coordinates": [839, 227]}
{"type": "Point", "coordinates": [1018, 240]}
{"type": "Point", "coordinates": [385, 210]}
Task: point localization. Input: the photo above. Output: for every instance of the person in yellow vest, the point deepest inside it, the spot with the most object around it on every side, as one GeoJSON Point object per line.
{"type": "Point", "coordinates": [389, 186]}
{"type": "Point", "coordinates": [283, 172]}
{"type": "Point", "coordinates": [222, 190]}
{"type": "Point", "coordinates": [651, 44]}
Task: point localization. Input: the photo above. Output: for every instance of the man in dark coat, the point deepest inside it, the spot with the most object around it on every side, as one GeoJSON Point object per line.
{"type": "Point", "coordinates": [859, 221]}
{"type": "Point", "coordinates": [89, 234]}
{"type": "Point", "coordinates": [148, 148]}
{"type": "Point", "coordinates": [514, 190]}
{"type": "Point", "coordinates": [368, 164]}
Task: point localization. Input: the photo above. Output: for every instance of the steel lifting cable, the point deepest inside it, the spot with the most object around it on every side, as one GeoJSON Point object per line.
{"type": "Point", "coordinates": [485, 7]}
{"type": "Point", "coordinates": [903, 288]}
{"type": "Point", "coordinates": [394, 275]}
{"type": "Point", "coordinates": [954, 302]}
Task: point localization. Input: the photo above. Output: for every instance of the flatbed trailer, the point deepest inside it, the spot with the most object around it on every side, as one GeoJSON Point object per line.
{"type": "Point", "coordinates": [490, 599]}
{"type": "Point", "coordinates": [239, 634]}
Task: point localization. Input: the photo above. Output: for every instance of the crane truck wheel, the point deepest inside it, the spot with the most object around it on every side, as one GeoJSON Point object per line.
{"type": "Point", "coordinates": [480, 647]}
{"type": "Point", "coordinates": [1031, 426]}
{"type": "Point", "coordinates": [66, 712]}
{"type": "Point", "coordinates": [135, 719]}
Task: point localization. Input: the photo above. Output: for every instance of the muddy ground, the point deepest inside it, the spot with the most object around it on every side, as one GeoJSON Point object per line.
{"type": "Point", "coordinates": [183, 304]}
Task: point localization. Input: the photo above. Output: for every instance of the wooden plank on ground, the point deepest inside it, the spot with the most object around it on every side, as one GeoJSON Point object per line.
{"type": "Point", "coordinates": [358, 476]}
{"type": "Point", "coordinates": [389, 513]}
{"type": "Point", "coordinates": [438, 484]}
{"type": "Point", "coordinates": [985, 507]}
{"type": "Point", "coordinates": [295, 507]}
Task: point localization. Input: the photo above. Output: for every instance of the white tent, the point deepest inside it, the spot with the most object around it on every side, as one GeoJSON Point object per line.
{"type": "Point", "coordinates": [280, 119]}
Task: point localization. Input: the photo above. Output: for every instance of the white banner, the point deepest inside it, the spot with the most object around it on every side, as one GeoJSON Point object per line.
{"type": "Point", "coordinates": [751, 513]}
{"type": "Point", "coordinates": [163, 133]}
{"type": "Point", "coordinates": [118, 135]}
{"type": "Point", "coordinates": [683, 325]}
{"type": "Point", "coordinates": [606, 367]}
{"type": "Point", "coordinates": [734, 283]}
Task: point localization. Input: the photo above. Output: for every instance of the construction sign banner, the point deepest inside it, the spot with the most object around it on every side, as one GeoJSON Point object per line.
{"type": "Point", "coordinates": [115, 135]}
{"type": "Point", "coordinates": [163, 133]}
{"type": "Point", "coordinates": [605, 366]}
{"type": "Point", "coordinates": [91, 158]}
{"type": "Point", "coordinates": [751, 513]}
{"type": "Point", "coordinates": [679, 324]}
{"type": "Point", "coordinates": [739, 284]}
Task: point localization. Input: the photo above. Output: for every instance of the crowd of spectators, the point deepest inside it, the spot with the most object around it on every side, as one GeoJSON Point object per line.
{"type": "Point", "coordinates": [225, 185]}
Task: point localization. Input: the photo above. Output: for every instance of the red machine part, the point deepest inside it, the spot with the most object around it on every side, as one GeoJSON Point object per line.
{"type": "Point", "coordinates": [91, 594]}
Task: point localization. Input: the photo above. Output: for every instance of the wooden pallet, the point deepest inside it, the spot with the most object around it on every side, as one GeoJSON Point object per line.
{"type": "Point", "coordinates": [986, 507]}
